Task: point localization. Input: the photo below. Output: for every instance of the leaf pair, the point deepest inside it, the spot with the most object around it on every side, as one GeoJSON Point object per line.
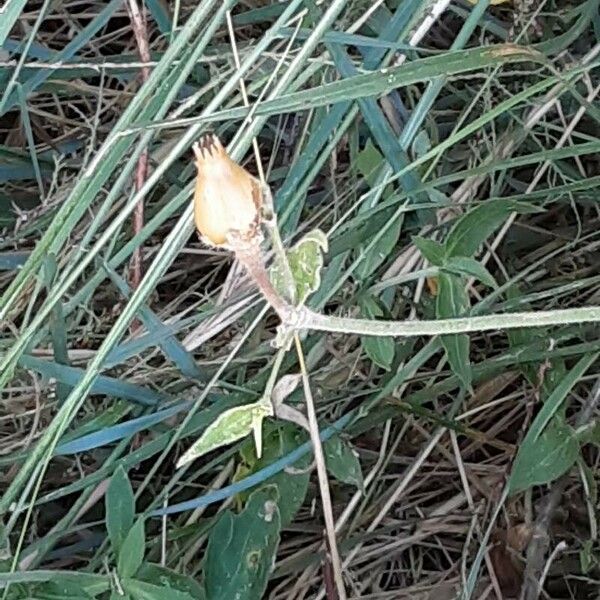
{"type": "Point", "coordinates": [126, 537]}
{"type": "Point", "coordinates": [456, 263]}
{"type": "Point", "coordinates": [139, 580]}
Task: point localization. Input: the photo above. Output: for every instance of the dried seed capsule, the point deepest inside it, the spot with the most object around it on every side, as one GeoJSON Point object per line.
{"type": "Point", "coordinates": [227, 199]}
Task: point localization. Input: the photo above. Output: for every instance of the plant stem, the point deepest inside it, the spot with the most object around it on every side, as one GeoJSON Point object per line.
{"type": "Point", "coordinates": [271, 225]}
{"type": "Point", "coordinates": [322, 474]}
{"type": "Point", "coordinates": [140, 30]}
{"type": "Point", "coordinates": [308, 319]}
{"type": "Point", "coordinates": [252, 258]}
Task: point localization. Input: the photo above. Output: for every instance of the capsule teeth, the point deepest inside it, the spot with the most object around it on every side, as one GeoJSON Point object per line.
{"type": "Point", "coordinates": [208, 146]}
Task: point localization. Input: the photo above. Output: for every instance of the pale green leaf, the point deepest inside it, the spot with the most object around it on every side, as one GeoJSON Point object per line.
{"type": "Point", "coordinates": [230, 426]}
{"type": "Point", "coordinates": [559, 395]}
{"type": "Point", "coordinates": [306, 261]}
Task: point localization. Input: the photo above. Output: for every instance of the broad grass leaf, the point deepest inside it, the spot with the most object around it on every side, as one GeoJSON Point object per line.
{"type": "Point", "coordinates": [241, 549]}
{"type": "Point", "coordinates": [132, 551]}
{"type": "Point", "coordinates": [383, 81]}
{"type": "Point", "coordinates": [342, 462]}
{"type": "Point", "coordinates": [545, 458]}
{"type": "Point", "coordinates": [464, 265]}
{"type": "Point", "coordinates": [120, 508]}
{"type": "Point", "coordinates": [380, 350]}
{"type": "Point", "coordinates": [306, 261]}
{"type": "Point", "coordinates": [230, 426]}
{"type": "Point", "coordinates": [430, 249]}
{"type": "Point", "coordinates": [452, 301]}
{"type": "Point", "coordinates": [472, 229]}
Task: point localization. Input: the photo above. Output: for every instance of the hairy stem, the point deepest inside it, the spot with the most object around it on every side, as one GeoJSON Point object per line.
{"type": "Point", "coordinates": [308, 319]}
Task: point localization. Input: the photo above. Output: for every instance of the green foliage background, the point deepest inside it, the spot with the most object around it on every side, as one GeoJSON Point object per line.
{"type": "Point", "coordinates": [450, 153]}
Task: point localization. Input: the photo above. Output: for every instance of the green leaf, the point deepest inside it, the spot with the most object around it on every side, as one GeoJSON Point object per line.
{"type": "Point", "coordinates": [550, 447]}
{"type": "Point", "coordinates": [170, 580]}
{"type": "Point", "coordinates": [591, 485]}
{"type": "Point", "coordinates": [369, 162]}
{"type": "Point", "coordinates": [132, 551]}
{"type": "Point", "coordinates": [524, 337]}
{"type": "Point", "coordinates": [10, 13]}
{"type": "Point", "coordinates": [380, 250]}
{"type": "Point", "coordinates": [464, 265]}
{"type": "Point", "coordinates": [68, 580]}
{"type": "Point", "coordinates": [120, 508]}
{"type": "Point", "coordinates": [61, 589]}
{"type": "Point", "coordinates": [342, 462]}
{"type": "Point", "coordinates": [588, 559]}
{"type": "Point", "coordinates": [558, 396]}
{"type": "Point", "coordinates": [421, 144]}
{"type": "Point", "coordinates": [140, 590]}
{"type": "Point", "coordinates": [306, 261]}
{"type": "Point", "coordinates": [471, 230]}
{"type": "Point", "coordinates": [430, 249]}
{"type": "Point", "coordinates": [379, 349]}
{"type": "Point", "coordinates": [230, 426]}
{"type": "Point", "coordinates": [452, 301]}
{"type": "Point", "coordinates": [545, 458]}
{"type": "Point", "coordinates": [285, 387]}
{"type": "Point", "coordinates": [291, 484]}
{"type": "Point", "coordinates": [589, 434]}
{"type": "Point", "coordinates": [241, 549]}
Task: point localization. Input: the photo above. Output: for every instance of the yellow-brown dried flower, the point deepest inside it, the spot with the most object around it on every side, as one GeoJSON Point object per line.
{"type": "Point", "coordinates": [227, 199]}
